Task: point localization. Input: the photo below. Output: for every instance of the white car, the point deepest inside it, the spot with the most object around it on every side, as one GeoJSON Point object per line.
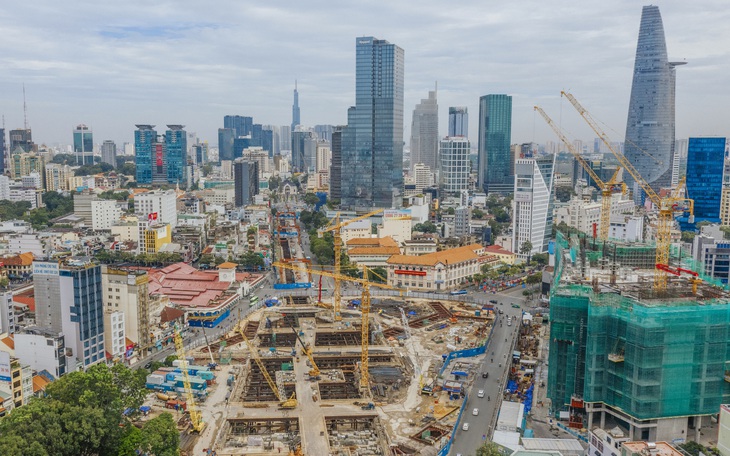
{"type": "Point", "coordinates": [465, 427]}
{"type": "Point", "coordinates": [475, 412]}
{"type": "Point", "coordinates": [480, 393]}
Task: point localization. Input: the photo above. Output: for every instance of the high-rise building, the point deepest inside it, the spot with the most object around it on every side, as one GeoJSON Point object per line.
{"type": "Point", "coordinates": [422, 177]}
{"type": "Point", "coordinates": [69, 301]}
{"type": "Point", "coordinates": [226, 137]}
{"type": "Point", "coordinates": [129, 294]}
{"type": "Point", "coordinates": [158, 205]}
{"type": "Point", "coordinates": [241, 125]}
{"type": "Point", "coordinates": [425, 132]}
{"type": "Point", "coordinates": [176, 142]}
{"type": "Point", "coordinates": [304, 150]}
{"type": "Point", "coordinates": [246, 181]}
{"type": "Point", "coordinates": [650, 125]}
{"type": "Point", "coordinates": [495, 135]}
{"type": "Point", "coordinates": [144, 138]}
{"type": "Point", "coordinates": [532, 205]}
{"type": "Point", "coordinates": [23, 138]}
{"type": "Point", "coordinates": [372, 143]}
{"type": "Point", "coordinates": [285, 132]}
{"type": "Point", "coordinates": [324, 132]}
{"type": "Point", "coordinates": [455, 165]}
{"type": "Point", "coordinates": [336, 165]}
{"type": "Point", "coordinates": [83, 145]}
{"type": "Point", "coordinates": [109, 152]}
{"type": "Point", "coordinates": [458, 121]}
{"type": "Point", "coordinates": [295, 114]}
{"type": "Point", "coordinates": [705, 166]}
{"type": "Point", "coordinates": [462, 221]}
{"type": "Point", "coordinates": [3, 152]}
{"type": "Point", "coordinates": [679, 161]}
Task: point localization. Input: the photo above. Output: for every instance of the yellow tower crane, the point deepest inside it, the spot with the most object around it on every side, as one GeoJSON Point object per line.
{"type": "Point", "coordinates": [307, 350]}
{"type": "Point", "coordinates": [667, 206]}
{"type": "Point", "coordinates": [364, 308]}
{"type": "Point", "coordinates": [607, 188]}
{"type": "Point", "coordinates": [283, 401]}
{"type": "Point", "coordinates": [335, 226]}
{"type": "Point", "coordinates": [196, 417]}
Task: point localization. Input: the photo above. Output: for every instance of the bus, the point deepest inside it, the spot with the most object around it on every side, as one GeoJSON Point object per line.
{"type": "Point", "coordinates": [253, 300]}
{"type": "Point", "coordinates": [458, 292]}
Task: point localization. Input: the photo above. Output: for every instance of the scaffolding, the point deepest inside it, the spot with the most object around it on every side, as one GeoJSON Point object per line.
{"type": "Point", "coordinates": [620, 345]}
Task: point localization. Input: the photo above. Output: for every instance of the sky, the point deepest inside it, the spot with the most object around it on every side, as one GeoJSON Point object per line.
{"type": "Point", "coordinates": [112, 65]}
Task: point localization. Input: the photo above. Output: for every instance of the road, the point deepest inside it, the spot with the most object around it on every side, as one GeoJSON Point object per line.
{"type": "Point", "coordinates": [501, 344]}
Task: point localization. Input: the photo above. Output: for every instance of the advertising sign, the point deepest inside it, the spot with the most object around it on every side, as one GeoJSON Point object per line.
{"type": "Point", "coordinates": [48, 268]}
{"type": "Point", "coordinates": [5, 367]}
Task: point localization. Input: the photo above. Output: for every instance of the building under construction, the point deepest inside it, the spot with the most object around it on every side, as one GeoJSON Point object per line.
{"type": "Point", "coordinates": [623, 354]}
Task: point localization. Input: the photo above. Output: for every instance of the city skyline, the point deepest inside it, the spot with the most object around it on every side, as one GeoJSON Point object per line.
{"type": "Point", "coordinates": [132, 59]}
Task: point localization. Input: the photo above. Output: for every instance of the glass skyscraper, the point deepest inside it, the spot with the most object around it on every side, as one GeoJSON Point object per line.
{"type": "Point", "coordinates": [458, 121]}
{"type": "Point", "coordinates": [650, 125]}
{"type": "Point", "coordinates": [144, 137]}
{"type": "Point", "coordinates": [705, 164]}
{"type": "Point", "coordinates": [241, 125]}
{"type": "Point", "coordinates": [83, 145]}
{"type": "Point", "coordinates": [176, 140]}
{"type": "Point", "coordinates": [495, 135]}
{"type": "Point", "coordinates": [295, 113]}
{"type": "Point", "coordinates": [372, 143]}
{"type": "Point", "coordinates": [425, 133]}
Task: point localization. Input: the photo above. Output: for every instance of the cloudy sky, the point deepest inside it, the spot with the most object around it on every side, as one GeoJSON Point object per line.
{"type": "Point", "coordinates": [114, 64]}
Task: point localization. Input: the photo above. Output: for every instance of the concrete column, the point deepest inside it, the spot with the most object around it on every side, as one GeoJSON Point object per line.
{"type": "Point", "coordinates": [603, 419]}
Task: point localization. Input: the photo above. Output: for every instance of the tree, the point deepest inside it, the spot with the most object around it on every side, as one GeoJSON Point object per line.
{"type": "Point", "coordinates": [169, 360]}
{"type": "Point", "coordinates": [689, 236]}
{"type": "Point", "coordinates": [425, 227]}
{"type": "Point", "coordinates": [311, 199]}
{"type": "Point", "coordinates": [251, 260]}
{"type": "Point", "coordinates": [375, 274]}
{"type": "Point", "coordinates": [541, 258]}
{"type": "Point", "coordinates": [160, 436]}
{"type": "Point", "coordinates": [128, 168]}
{"type": "Point", "coordinates": [525, 249]}
{"type": "Point", "coordinates": [488, 449]}
{"type": "Point", "coordinates": [477, 214]}
{"type": "Point", "coordinates": [451, 211]}
{"type": "Point", "coordinates": [4, 282]}
{"type": "Point", "coordinates": [533, 279]}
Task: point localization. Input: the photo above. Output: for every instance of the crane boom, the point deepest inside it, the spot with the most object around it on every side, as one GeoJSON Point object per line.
{"type": "Point", "coordinates": [335, 227]}
{"type": "Point", "coordinates": [314, 372]}
{"type": "Point", "coordinates": [196, 417]}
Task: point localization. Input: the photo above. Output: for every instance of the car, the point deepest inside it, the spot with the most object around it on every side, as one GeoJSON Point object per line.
{"type": "Point", "coordinates": [485, 374]}
{"type": "Point", "coordinates": [148, 365]}
{"type": "Point", "coordinates": [465, 427]}
{"type": "Point", "coordinates": [475, 412]}
{"type": "Point", "coordinates": [492, 301]}
{"type": "Point", "coordinates": [516, 306]}
{"type": "Point", "coordinates": [480, 393]}
{"type": "Point", "coordinates": [501, 311]}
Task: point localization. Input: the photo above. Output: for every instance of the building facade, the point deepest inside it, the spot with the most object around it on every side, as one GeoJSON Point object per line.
{"type": "Point", "coordinates": [144, 138]}
{"type": "Point", "coordinates": [104, 214]}
{"type": "Point", "coordinates": [705, 166]}
{"type": "Point", "coordinates": [109, 152]}
{"type": "Point", "coordinates": [436, 271]}
{"type": "Point", "coordinates": [246, 181]}
{"type": "Point", "coordinates": [495, 135]}
{"type": "Point", "coordinates": [57, 177]}
{"type": "Point", "coordinates": [424, 132]}
{"type": "Point", "coordinates": [533, 204]}
{"type": "Point", "coordinates": [159, 206]}
{"type": "Point", "coordinates": [126, 290]}
{"type": "Point", "coordinates": [650, 125]}
{"type": "Point", "coordinates": [372, 143]}
{"type": "Point", "coordinates": [83, 145]}
{"type": "Point", "coordinates": [176, 142]}
{"type": "Point", "coordinates": [455, 165]}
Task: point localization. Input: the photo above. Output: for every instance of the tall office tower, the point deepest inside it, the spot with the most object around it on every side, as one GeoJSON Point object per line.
{"type": "Point", "coordinates": [241, 125]}
{"type": "Point", "coordinates": [256, 133]}
{"type": "Point", "coordinates": [295, 114]}
{"type": "Point", "coordinates": [69, 300]}
{"type": "Point", "coordinates": [705, 165]}
{"type": "Point", "coordinates": [372, 143]}
{"type": "Point", "coordinates": [21, 137]}
{"type": "Point", "coordinates": [109, 152]}
{"type": "Point", "coordinates": [3, 152]}
{"type": "Point", "coordinates": [200, 153]}
{"type": "Point", "coordinates": [425, 132]}
{"type": "Point", "coordinates": [83, 145]}
{"type": "Point", "coordinates": [176, 141]}
{"type": "Point", "coordinates": [324, 132]}
{"type": "Point", "coordinates": [246, 181]}
{"type": "Point", "coordinates": [285, 132]}
{"type": "Point", "coordinates": [163, 204]}
{"type": "Point", "coordinates": [455, 167]}
{"type": "Point", "coordinates": [226, 137]}
{"type": "Point", "coordinates": [533, 204]}
{"type": "Point", "coordinates": [144, 138]}
{"type": "Point", "coordinates": [422, 176]}
{"type": "Point", "coordinates": [275, 139]}
{"type": "Point", "coordinates": [679, 161]}
{"type": "Point", "coordinates": [304, 150]}
{"type": "Point", "coordinates": [495, 135]}
{"type": "Point", "coordinates": [267, 141]}
{"type": "Point", "coordinates": [336, 165]}
{"type": "Point", "coordinates": [650, 125]}
{"type": "Point", "coordinates": [458, 121]}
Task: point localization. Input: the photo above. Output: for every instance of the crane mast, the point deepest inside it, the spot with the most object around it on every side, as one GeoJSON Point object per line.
{"type": "Point", "coordinates": [196, 417]}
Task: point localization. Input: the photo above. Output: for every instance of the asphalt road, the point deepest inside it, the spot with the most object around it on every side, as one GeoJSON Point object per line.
{"type": "Point", "coordinates": [501, 343]}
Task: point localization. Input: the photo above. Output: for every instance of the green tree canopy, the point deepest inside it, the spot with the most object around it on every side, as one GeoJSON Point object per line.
{"type": "Point", "coordinates": [425, 227]}
{"type": "Point", "coordinates": [311, 199]}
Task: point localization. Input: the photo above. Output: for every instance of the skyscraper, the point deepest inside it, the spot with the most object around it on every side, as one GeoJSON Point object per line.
{"type": "Point", "coordinates": [241, 125]}
{"type": "Point", "coordinates": [425, 132]}
{"type": "Point", "coordinates": [226, 137]}
{"type": "Point", "coordinates": [336, 165]}
{"type": "Point", "coordinates": [176, 141]}
{"type": "Point", "coordinates": [3, 151]}
{"type": "Point", "coordinates": [455, 164]}
{"type": "Point", "coordinates": [495, 135]}
{"type": "Point", "coordinates": [83, 145]}
{"type": "Point", "coordinates": [295, 114]}
{"type": "Point", "coordinates": [533, 204]}
{"type": "Point", "coordinates": [109, 152]}
{"type": "Point", "coordinates": [372, 143]}
{"type": "Point", "coordinates": [650, 125]}
{"type": "Point", "coordinates": [246, 181]}
{"type": "Point", "coordinates": [705, 165]}
{"type": "Point", "coordinates": [23, 138]}
{"type": "Point", "coordinates": [458, 121]}
{"type": "Point", "coordinates": [144, 138]}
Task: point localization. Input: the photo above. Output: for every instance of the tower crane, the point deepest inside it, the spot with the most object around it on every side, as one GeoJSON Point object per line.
{"type": "Point", "coordinates": [364, 308]}
{"type": "Point", "coordinates": [335, 226]}
{"type": "Point", "coordinates": [607, 188]}
{"type": "Point", "coordinates": [667, 206]}
{"type": "Point", "coordinates": [283, 401]}
{"type": "Point", "coordinates": [307, 350]}
{"type": "Point", "coordinates": [196, 417]}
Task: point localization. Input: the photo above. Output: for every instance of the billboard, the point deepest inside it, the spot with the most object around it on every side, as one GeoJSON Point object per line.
{"type": "Point", "coordinates": [47, 268]}
{"type": "Point", "coordinates": [5, 367]}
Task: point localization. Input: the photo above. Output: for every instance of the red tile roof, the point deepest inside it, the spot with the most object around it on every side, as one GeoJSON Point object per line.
{"type": "Point", "coordinates": [9, 341]}
{"type": "Point", "coordinates": [27, 298]}
{"type": "Point", "coordinates": [24, 259]}
{"type": "Point", "coordinates": [498, 249]}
